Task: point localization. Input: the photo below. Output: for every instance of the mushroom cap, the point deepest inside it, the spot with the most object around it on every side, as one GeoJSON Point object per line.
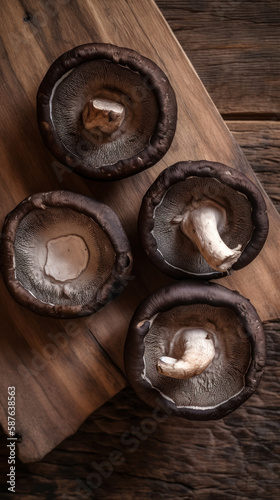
{"type": "Point", "coordinates": [234, 373]}
{"type": "Point", "coordinates": [163, 241]}
{"type": "Point", "coordinates": [104, 71]}
{"type": "Point", "coordinates": [63, 254]}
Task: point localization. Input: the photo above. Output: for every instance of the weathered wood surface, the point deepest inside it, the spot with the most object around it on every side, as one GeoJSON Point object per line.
{"type": "Point", "coordinates": [237, 458]}
{"type": "Point", "coordinates": [53, 402]}
{"type": "Point", "coordinates": [260, 141]}
{"type": "Point", "coordinates": [234, 46]}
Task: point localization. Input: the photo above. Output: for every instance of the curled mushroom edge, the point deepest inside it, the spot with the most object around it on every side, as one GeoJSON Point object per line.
{"type": "Point", "coordinates": [197, 351]}
{"type": "Point", "coordinates": [202, 223]}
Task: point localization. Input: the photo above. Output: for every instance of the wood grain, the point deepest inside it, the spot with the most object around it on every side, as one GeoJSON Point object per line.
{"type": "Point", "coordinates": [53, 401]}
{"type": "Point", "coordinates": [234, 47]}
{"type": "Point", "coordinates": [260, 142]}
{"type": "Point", "coordinates": [236, 458]}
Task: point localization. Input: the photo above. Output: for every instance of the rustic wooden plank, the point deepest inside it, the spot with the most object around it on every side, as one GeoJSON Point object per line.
{"type": "Point", "coordinates": [81, 376]}
{"type": "Point", "coordinates": [260, 141]}
{"type": "Point", "coordinates": [101, 432]}
{"type": "Point", "coordinates": [234, 46]}
{"type": "Point", "coordinates": [233, 458]}
{"type": "Point", "coordinates": [56, 385]}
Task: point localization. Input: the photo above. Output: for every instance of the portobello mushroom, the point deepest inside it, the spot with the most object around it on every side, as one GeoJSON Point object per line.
{"type": "Point", "coordinates": [203, 220]}
{"type": "Point", "coordinates": [106, 112]}
{"type": "Point", "coordinates": [196, 350]}
{"type": "Point", "coordinates": [64, 254]}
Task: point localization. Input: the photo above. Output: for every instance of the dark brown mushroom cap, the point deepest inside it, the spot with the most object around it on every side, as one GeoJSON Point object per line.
{"type": "Point", "coordinates": [195, 295]}
{"type": "Point", "coordinates": [47, 217]}
{"type": "Point", "coordinates": [175, 178]}
{"type": "Point", "coordinates": [144, 88]}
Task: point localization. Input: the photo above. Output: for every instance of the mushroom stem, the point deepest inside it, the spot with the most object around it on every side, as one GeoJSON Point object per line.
{"type": "Point", "coordinates": [202, 223]}
{"type": "Point", "coordinates": [103, 115]}
{"type": "Point", "coordinates": [194, 349]}
{"type": "Point", "coordinates": [67, 257]}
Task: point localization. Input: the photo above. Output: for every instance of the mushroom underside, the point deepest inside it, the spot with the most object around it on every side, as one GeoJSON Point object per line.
{"type": "Point", "coordinates": [223, 378]}
{"type": "Point", "coordinates": [104, 112]}
{"type": "Point", "coordinates": [177, 249]}
{"type": "Point", "coordinates": [61, 256]}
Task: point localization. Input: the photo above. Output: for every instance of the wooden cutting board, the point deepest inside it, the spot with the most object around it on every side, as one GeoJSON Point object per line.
{"type": "Point", "coordinates": [63, 370]}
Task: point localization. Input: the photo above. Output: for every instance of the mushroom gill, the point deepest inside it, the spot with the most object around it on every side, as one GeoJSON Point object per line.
{"type": "Point", "coordinates": [194, 349]}
{"type": "Point", "coordinates": [202, 219]}
{"type": "Point", "coordinates": [62, 256]}
{"type": "Point", "coordinates": [211, 350]}
{"type": "Point", "coordinates": [202, 225]}
{"type": "Point", "coordinates": [104, 112]}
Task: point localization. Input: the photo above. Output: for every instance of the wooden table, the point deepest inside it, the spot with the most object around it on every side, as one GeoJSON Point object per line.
{"type": "Point", "coordinates": [91, 344]}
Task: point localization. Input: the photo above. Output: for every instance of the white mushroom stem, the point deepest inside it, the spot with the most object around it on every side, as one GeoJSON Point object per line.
{"type": "Point", "coordinates": [202, 223]}
{"type": "Point", "coordinates": [103, 115]}
{"type": "Point", "coordinates": [197, 352]}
